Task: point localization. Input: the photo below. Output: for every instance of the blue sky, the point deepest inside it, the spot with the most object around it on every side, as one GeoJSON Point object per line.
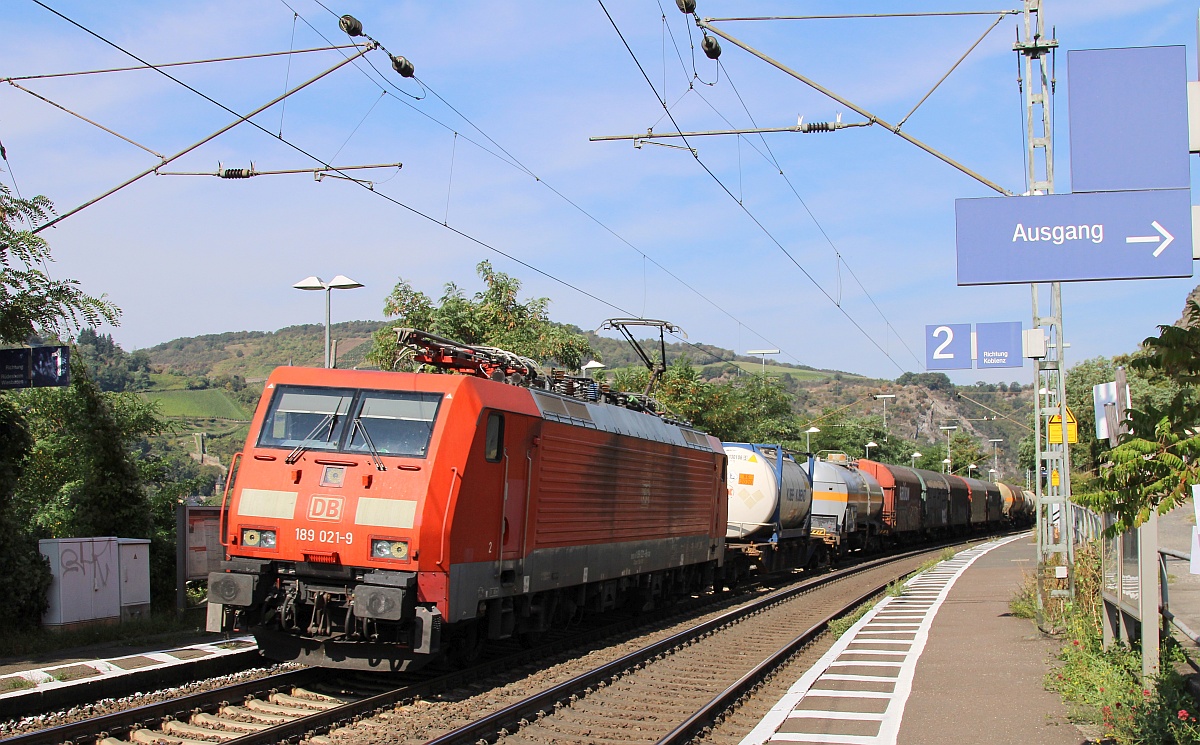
{"type": "Point", "coordinates": [530, 82]}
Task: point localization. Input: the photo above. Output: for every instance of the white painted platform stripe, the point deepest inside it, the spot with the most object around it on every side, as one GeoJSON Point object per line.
{"type": "Point", "coordinates": [921, 587]}
{"type": "Point", "coordinates": [853, 716]}
{"type": "Point", "coordinates": [839, 693]}
{"type": "Point", "coordinates": [862, 678]}
{"type": "Point", "coordinates": [823, 739]}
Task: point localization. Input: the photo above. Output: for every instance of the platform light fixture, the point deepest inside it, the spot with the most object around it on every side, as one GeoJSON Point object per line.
{"type": "Point", "coordinates": [807, 434]}
{"type": "Point", "coordinates": [870, 445]}
{"type": "Point", "coordinates": [764, 353]}
{"type": "Point", "coordinates": [884, 398]}
{"type": "Point", "coordinates": [948, 430]}
{"type": "Point", "coordinates": [914, 459]}
{"type": "Point", "coordinates": [340, 282]}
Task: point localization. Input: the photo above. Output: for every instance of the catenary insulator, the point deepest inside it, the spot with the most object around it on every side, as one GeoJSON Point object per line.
{"type": "Point", "coordinates": [236, 173]}
{"type": "Point", "coordinates": [403, 66]}
{"type": "Point", "coordinates": [686, 6]}
{"type": "Point", "coordinates": [711, 47]}
{"type": "Point", "coordinates": [351, 25]}
{"type": "Point", "coordinates": [816, 127]}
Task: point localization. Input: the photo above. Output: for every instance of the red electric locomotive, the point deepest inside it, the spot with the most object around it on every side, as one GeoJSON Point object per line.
{"type": "Point", "coordinates": [377, 520]}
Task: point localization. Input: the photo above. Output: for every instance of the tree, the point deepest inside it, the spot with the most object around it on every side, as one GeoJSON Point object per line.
{"type": "Point", "coordinates": [24, 573]}
{"type": "Point", "coordinates": [1157, 459]}
{"type": "Point", "coordinates": [492, 317]}
{"type": "Point", "coordinates": [81, 478]}
{"type": "Point", "coordinates": [31, 303]}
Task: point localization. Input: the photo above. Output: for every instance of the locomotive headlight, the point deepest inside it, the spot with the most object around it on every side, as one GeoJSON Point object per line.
{"type": "Point", "coordinates": [255, 538]}
{"type": "Point", "coordinates": [388, 548]}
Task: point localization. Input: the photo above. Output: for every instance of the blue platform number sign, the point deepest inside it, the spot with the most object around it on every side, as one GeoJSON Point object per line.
{"type": "Point", "coordinates": [948, 347]}
{"type": "Point", "coordinates": [998, 345]}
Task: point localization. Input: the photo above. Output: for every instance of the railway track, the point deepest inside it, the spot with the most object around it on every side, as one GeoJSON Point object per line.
{"type": "Point", "coordinates": [626, 695]}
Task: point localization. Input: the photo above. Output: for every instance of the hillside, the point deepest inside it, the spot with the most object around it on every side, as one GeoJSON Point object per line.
{"type": "Point", "coordinates": [208, 383]}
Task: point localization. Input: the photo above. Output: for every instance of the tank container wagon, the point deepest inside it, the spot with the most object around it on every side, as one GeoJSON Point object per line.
{"type": "Point", "coordinates": [380, 520]}
{"type": "Point", "coordinates": [847, 505]}
{"type": "Point", "coordinates": [770, 511]}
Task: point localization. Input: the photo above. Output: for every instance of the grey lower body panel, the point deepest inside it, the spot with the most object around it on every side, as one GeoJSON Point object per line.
{"type": "Point", "coordinates": [569, 566]}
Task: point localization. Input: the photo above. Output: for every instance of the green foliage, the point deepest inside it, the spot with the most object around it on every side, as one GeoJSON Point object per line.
{"type": "Point", "coordinates": [839, 626]}
{"type": "Point", "coordinates": [1104, 684]}
{"type": "Point", "coordinates": [1154, 463]}
{"type": "Point", "coordinates": [80, 478]}
{"type": "Point", "coordinates": [31, 303]}
{"type": "Point", "coordinates": [110, 366]}
{"type": "Point", "coordinates": [932, 381]}
{"type": "Point", "coordinates": [492, 317]}
{"type": "Point", "coordinates": [24, 573]}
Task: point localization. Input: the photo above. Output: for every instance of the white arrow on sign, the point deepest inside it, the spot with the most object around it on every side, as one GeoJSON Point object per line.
{"type": "Point", "coordinates": [1153, 238]}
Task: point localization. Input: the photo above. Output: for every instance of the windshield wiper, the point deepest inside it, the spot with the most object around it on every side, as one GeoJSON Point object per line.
{"type": "Point", "coordinates": [330, 419]}
{"type": "Point", "coordinates": [358, 426]}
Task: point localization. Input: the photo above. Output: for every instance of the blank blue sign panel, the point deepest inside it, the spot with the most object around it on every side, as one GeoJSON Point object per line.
{"type": "Point", "coordinates": [1074, 237]}
{"type": "Point", "coordinates": [948, 347]}
{"type": "Point", "coordinates": [998, 345]}
{"type": "Point", "coordinates": [1128, 115]}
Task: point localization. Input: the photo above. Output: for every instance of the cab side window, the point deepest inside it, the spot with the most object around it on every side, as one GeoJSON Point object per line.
{"type": "Point", "coordinates": [493, 448]}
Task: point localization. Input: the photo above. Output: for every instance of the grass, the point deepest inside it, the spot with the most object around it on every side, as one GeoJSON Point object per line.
{"type": "Point", "coordinates": [839, 626]}
{"type": "Point", "coordinates": [208, 403]}
{"type": "Point", "coordinates": [15, 683]}
{"type": "Point", "coordinates": [26, 643]}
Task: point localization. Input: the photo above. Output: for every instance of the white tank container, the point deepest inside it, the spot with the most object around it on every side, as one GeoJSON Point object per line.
{"type": "Point", "coordinates": [754, 493]}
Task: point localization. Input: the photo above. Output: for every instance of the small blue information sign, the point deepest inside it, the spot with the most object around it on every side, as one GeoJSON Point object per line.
{"type": "Point", "coordinates": [948, 346]}
{"type": "Point", "coordinates": [998, 345]}
{"type": "Point", "coordinates": [35, 367]}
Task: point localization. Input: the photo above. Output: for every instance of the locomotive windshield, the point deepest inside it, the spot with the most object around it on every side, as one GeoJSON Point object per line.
{"type": "Point", "coordinates": [349, 420]}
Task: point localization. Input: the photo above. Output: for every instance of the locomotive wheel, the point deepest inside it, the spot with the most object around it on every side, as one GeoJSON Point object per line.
{"type": "Point", "coordinates": [467, 646]}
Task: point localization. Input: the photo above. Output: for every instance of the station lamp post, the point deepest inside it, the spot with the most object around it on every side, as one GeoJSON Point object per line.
{"type": "Point", "coordinates": [914, 459]}
{"type": "Point", "coordinates": [996, 455]}
{"type": "Point", "coordinates": [340, 282]}
{"type": "Point", "coordinates": [764, 353]}
{"type": "Point", "coordinates": [948, 430]}
{"type": "Point", "coordinates": [807, 434]}
{"type": "Point", "coordinates": [945, 465]}
{"type": "Point", "coordinates": [869, 446]}
{"type": "Point", "coordinates": [992, 474]}
{"type": "Point", "coordinates": [971, 469]}
{"type": "Point", "coordinates": [884, 397]}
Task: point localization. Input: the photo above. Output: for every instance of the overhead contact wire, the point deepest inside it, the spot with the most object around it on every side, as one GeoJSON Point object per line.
{"type": "Point", "coordinates": [743, 207]}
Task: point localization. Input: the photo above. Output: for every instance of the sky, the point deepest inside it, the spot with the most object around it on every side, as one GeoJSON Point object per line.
{"type": "Point", "coordinates": [739, 245]}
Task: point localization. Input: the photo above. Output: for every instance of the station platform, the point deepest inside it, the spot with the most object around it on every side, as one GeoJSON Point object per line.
{"type": "Point", "coordinates": [944, 662]}
{"type": "Point", "coordinates": [29, 685]}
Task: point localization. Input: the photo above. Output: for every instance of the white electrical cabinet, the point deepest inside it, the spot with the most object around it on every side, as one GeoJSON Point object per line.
{"type": "Point", "coordinates": [133, 556]}
{"type": "Point", "coordinates": [96, 580]}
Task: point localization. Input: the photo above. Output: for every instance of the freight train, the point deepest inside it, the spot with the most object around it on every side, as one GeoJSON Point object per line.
{"type": "Point", "coordinates": [383, 520]}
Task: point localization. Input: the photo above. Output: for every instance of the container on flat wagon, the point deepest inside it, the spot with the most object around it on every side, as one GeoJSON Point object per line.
{"type": "Point", "coordinates": [758, 496]}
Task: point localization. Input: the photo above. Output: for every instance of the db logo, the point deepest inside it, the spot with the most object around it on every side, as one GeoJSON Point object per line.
{"type": "Point", "coordinates": [325, 508]}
